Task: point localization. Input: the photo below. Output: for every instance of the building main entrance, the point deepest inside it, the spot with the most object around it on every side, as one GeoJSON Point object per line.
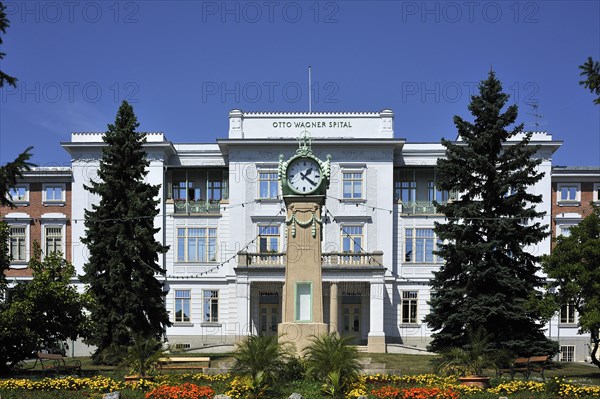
{"type": "Point", "coordinates": [351, 321]}
{"type": "Point", "coordinates": [269, 314]}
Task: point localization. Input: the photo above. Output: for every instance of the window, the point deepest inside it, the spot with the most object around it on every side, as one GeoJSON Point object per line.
{"type": "Point", "coordinates": [568, 192]}
{"type": "Point", "coordinates": [268, 184]}
{"type": "Point", "coordinates": [54, 193]}
{"type": "Point", "coordinates": [596, 192]}
{"type": "Point", "coordinates": [567, 313]}
{"type": "Point", "coordinates": [567, 353]}
{"type": "Point", "coordinates": [352, 183]}
{"type": "Point", "coordinates": [193, 185]}
{"type": "Point", "coordinates": [405, 191]}
{"type": "Point", "coordinates": [18, 244]}
{"type": "Point", "coordinates": [409, 307]}
{"type": "Point", "coordinates": [352, 239]}
{"type": "Point", "coordinates": [53, 238]}
{"type": "Point", "coordinates": [303, 301]}
{"type": "Point", "coordinates": [565, 229]}
{"type": "Point", "coordinates": [435, 194]}
{"type": "Point", "coordinates": [210, 306]}
{"type": "Point", "coordinates": [217, 185]}
{"type": "Point", "coordinates": [182, 306]}
{"type": "Point", "coordinates": [179, 191]}
{"type": "Point", "coordinates": [19, 193]}
{"type": "Point", "coordinates": [196, 244]}
{"type": "Point", "coordinates": [419, 245]}
{"type": "Point", "coordinates": [268, 237]}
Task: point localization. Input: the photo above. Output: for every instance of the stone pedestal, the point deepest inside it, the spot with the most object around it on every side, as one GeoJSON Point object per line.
{"type": "Point", "coordinates": [376, 343]}
{"type": "Point", "coordinates": [299, 334]}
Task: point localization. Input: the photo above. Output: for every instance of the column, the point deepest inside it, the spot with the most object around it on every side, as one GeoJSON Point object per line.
{"type": "Point", "coordinates": [242, 293]}
{"type": "Point", "coordinates": [333, 308]}
{"type": "Point", "coordinates": [376, 338]}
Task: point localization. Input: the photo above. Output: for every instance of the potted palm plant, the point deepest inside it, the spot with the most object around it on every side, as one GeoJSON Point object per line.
{"type": "Point", "coordinates": [468, 362]}
{"type": "Point", "coordinates": [143, 357]}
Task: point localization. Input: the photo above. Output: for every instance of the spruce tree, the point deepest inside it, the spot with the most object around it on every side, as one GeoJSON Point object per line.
{"type": "Point", "coordinates": [489, 276]}
{"type": "Point", "coordinates": [4, 23]}
{"type": "Point", "coordinates": [127, 298]}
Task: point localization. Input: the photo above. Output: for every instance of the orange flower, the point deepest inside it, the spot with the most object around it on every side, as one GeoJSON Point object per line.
{"type": "Point", "coordinates": [185, 391]}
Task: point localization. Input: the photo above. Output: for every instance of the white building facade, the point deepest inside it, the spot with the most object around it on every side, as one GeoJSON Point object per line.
{"type": "Point", "coordinates": [222, 217]}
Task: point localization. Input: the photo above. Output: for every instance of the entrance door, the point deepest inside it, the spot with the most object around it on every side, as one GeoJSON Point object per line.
{"type": "Point", "coordinates": [269, 318]}
{"type": "Point", "coordinates": [351, 320]}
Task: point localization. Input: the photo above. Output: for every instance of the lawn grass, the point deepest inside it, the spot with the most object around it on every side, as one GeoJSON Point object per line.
{"type": "Point", "coordinates": [408, 364]}
{"type": "Point", "coordinates": [583, 373]}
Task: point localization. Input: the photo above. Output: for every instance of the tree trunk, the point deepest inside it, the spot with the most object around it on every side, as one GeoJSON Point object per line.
{"type": "Point", "coordinates": [596, 343]}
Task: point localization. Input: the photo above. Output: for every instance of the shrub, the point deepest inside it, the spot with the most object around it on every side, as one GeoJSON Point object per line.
{"type": "Point", "coordinates": [331, 353]}
{"type": "Point", "coordinates": [261, 354]}
{"type": "Point", "coordinates": [331, 359]}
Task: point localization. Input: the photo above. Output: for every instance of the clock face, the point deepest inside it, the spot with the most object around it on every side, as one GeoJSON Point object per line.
{"type": "Point", "coordinates": [304, 175]}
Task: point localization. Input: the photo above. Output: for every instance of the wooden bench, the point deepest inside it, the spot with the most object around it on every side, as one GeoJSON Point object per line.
{"type": "Point", "coordinates": [537, 364]}
{"type": "Point", "coordinates": [184, 363]}
{"type": "Point", "coordinates": [526, 366]}
{"type": "Point", "coordinates": [58, 364]}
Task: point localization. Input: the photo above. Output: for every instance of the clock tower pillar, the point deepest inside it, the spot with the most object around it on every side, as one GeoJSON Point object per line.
{"type": "Point", "coordinates": [304, 180]}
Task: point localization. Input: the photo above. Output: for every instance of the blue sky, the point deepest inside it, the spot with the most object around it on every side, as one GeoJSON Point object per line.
{"type": "Point", "coordinates": [185, 64]}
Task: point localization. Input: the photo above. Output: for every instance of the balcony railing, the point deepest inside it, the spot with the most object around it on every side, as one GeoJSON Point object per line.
{"type": "Point", "coordinates": [198, 206]}
{"type": "Point", "coordinates": [261, 259]}
{"type": "Point", "coordinates": [419, 208]}
{"type": "Point", "coordinates": [329, 259]}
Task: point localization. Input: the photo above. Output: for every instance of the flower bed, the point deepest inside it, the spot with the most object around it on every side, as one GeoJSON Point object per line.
{"type": "Point", "coordinates": [185, 391]}
{"type": "Point", "coordinates": [184, 386]}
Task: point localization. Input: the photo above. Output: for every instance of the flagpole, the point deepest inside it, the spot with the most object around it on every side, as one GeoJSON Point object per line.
{"type": "Point", "coordinates": [309, 91]}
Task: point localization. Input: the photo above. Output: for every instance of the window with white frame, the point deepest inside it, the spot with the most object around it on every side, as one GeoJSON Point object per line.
{"type": "Point", "coordinates": [567, 353]}
{"type": "Point", "coordinates": [183, 305]}
{"type": "Point", "coordinates": [268, 184]}
{"type": "Point", "coordinates": [565, 229]}
{"type": "Point", "coordinates": [268, 239]}
{"type": "Point", "coordinates": [18, 243]}
{"type": "Point", "coordinates": [596, 195]}
{"type": "Point", "coordinates": [53, 239]}
{"type": "Point", "coordinates": [54, 193]}
{"type": "Point", "coordinates": [568, 192]}
{"type": "Point", "coordinates": [409, 307]}
{"type": "Point", "coordinates": [567, 313]}
{"type": "Point", "coordinates": [19, 193]}
{"type": "Point", "coordinates": [210, 306]}
{"type": "Point", "coordinates": [196, 244]}
{"type": "Point", "coordinates": [352, 184]}
{"type": "Point", "coordinates": [419, 246]}
{"type": "Point", "coordinates": [352, 238]}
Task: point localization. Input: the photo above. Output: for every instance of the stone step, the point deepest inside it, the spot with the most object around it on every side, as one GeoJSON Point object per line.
{"type": "Point", "coordinates": [371, 371]}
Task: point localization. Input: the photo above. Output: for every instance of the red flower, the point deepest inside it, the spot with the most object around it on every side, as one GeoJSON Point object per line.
{"type": "Point", "coordinates": [185, 391]}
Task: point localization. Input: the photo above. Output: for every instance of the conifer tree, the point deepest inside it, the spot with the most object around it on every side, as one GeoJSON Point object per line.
{"type": "Point", "coordinates": [489, 275]}
{"type": "Point", "coordinates": [127, 298]}
{"type": "Point", "coordinates": [4, 23]}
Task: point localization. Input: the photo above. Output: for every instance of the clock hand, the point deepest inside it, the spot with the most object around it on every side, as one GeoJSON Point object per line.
{"type": "Point", "coordinates": [310, 181]}
{"type": "Point", "coordinates": [304, 177]}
